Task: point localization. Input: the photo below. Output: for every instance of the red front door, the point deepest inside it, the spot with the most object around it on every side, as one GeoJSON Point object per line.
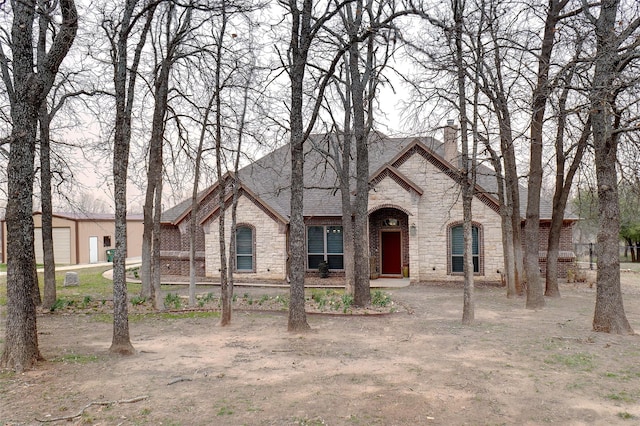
{"type": "Point", "coordinates": [391, 253]}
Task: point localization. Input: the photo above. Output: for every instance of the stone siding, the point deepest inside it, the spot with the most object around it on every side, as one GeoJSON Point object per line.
{"type": "Point", "coordinates": [270, 242]}
{"type": "Point", "coordinates": [432, 213]}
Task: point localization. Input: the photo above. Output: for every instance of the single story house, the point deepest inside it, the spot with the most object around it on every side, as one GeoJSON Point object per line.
{"type": "Point", "coordinates": [82, 238]}
{"type": "Point", "coordinates": [415, 215]}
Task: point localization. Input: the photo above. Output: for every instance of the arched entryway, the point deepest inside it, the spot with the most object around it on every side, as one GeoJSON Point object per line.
{"type": "Point", "coordinates": [389, 242]}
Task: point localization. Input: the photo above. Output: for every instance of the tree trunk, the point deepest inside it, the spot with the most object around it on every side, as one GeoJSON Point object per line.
{"type": "Point", "coordinates": [509, 253]}
{"type": "Point", "coordinates": [535, 291]}
{"type": "Point", "coordinates": [236, 189]}
{"type": "Point", "coordinates": [513, 200]}
{"type": "Point", "coordinates": [362, 292]}
{"type": "Point", "coordinates": [347, 215]}
{"type": "Point", "coordinates": [21, 338]}
{"type": "Point", "coordinates": [464, 175]}
{"type": "Point", "coordinates": [121, 343]}
{"type": "Point", "coordinates": [468, 306]}
{"type": "Point", "coordinates": [298, 50]}
{"type": "Point", "coordinates": [343, 160]}
{"type": "Point", "coordinates": [153, 196]}
{"type": "Point", "coordinates": [156, 271]}
{"type": "Point", "coordinates": [146, 289]}
{"type": "Point", "coordinates": [297, 316]}
{"type": "Point", "coordinates": [26, 93]}
{"type": "Point", "coordinates": [47, 210]}
{"type": "Point", "coordinates": [507, 181]}
{"type": "Point", "coordinates": [560, 197]}
{"type": "Point", "coordinates": [629, 247]}
{"type": "Point", "coordinates": [553, 248]}
{"type": "Point", "coordinates": [506, 226]}
{"type": "Point", "coordinates": [45, 176]}
{"type": "Point", "coordinates": [124, 83]}
{"type": "Point", "coordinates": [194, 204]}
{"type": "Point", "coordinates": [225, 289]}
{"type": "Point", "coordinates": [609, 313]}
{"type": "Point", "coordinates": [512, 197]}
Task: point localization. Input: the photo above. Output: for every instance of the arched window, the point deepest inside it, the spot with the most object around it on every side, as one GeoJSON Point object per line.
{"type": "Point", "coordinates": [244, 249]}
{"type": "Point", "coordinates": [456, 249]}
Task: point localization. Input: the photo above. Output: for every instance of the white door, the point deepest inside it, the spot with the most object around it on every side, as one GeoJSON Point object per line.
{"type": "Point", "coordinates": [93, 249]}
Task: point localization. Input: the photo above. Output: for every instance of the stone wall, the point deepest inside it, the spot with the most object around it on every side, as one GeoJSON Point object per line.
{"type": "Point", "coordinates": [270, 242]}
{"type": "Point", "coordinates": [433, 212]}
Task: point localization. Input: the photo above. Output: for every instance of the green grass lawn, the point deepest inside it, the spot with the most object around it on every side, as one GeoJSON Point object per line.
{"type": "Point", "coordinates": [92, 285]}
{"type": "Point", "coordinates": [630, 265]}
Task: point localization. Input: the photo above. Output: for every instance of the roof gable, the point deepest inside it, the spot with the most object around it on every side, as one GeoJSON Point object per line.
{"type": "Point", "coordinates": [396, 176]}
{"type": "Point", "coordinates": [419, 148]}
{"type": "Point", "coordinates": [243, 191]}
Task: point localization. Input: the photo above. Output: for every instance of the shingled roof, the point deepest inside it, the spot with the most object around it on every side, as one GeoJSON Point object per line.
{"type": "Point", "coordinates": [268, 178]}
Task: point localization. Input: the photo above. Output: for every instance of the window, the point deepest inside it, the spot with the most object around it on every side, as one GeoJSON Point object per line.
{"type": "Point", "coordinates": [244, 249]}
{"type": "Point", "coordinates": [457, 249]}
{"type": "Point", "coordinates": [106, 241]}
{"type": "Point", "coordinates": [324, 243]}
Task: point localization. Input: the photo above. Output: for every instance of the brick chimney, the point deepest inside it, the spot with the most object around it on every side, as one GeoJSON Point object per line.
{"type": "Point", "coordinates": [450, 140]}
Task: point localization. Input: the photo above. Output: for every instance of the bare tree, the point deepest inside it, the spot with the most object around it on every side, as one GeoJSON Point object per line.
{"type": "Point", "coordinates": [124, 79]}
{"type": "Point", "coordinates": [498, 88]}
{"type": "Point", "coordinates": [341, 158]}
{"type": "Point", "coordinates": [58, 98]}
{"type": "Point", "coordinates": [45, 175]}
{"type": "Point", "coordinates": [302, 33]}
{"type": "Point", "coordinates": [175, 23]}
{"type": "Point", "coordinates": [362, 295]}
{"type": "Point", "coordinates": [535, 289]}
{"type": "Point", "coordinates": [27, 91]}
{"type": "Point", "coordinates": [564, 180]}
{"type": "Point", "coordinates": [468, 170]}
{"type": "Point", "coordinates": [616, 48]}
{"type": "Point", "coordinates": [193, 221]}
{"type": "Point", "coordinates": [304, 29]}
{"type": "Point", "coordinates": [370, 38]}
{"type": "Point", "coordinates": [226, 290]}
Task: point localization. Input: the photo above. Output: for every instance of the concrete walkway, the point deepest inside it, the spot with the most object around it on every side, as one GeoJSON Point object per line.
{"type": "Point", "coordinates": [133, 262]}
{"type": "Point", "coordinates": [379, 283]}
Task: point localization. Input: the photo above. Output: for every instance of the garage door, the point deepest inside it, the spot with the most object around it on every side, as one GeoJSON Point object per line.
{"type": "Point", "coordinates": [61, 245]}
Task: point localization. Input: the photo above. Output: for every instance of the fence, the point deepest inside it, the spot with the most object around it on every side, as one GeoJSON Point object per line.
{"type": "Point", "coordinates": [586, 254]}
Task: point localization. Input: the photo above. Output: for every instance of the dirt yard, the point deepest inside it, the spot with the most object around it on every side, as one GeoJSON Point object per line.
{"type": "Point", "coordinates": [418, 366]}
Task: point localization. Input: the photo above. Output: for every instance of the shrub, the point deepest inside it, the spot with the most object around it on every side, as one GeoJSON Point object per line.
{"type": "Point", "coordinates": [138, 300]}
{"type": "Point", "coordinates": [323, 269]}
{"type": "Point", "coordinates": [172, 300]}
{"type": "Point", "coordinates": [380, 298]}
